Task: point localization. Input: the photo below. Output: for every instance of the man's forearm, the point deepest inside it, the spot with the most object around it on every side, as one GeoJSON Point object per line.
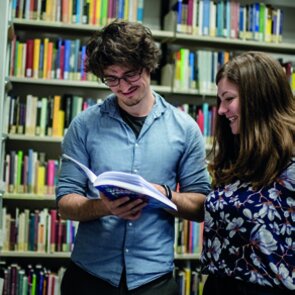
{"type": "Point", "coordinates": [79, 208]}
{"type": "Point", "coordinates": [190, 205]}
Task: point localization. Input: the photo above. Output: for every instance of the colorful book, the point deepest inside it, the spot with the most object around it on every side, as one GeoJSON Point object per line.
{"type": "Point", "coordinates": [115, 184]}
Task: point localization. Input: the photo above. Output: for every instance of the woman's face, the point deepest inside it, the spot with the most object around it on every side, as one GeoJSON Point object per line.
{"type": "Point", "coordinates": [228, 94]}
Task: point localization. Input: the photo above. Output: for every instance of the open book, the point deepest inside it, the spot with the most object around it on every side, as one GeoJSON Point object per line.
{"type": "Point", "coordinates": [116, 184]}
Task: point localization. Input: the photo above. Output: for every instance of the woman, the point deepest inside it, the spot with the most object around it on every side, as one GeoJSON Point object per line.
{"type": "Point", "coordinates": [249, 233]}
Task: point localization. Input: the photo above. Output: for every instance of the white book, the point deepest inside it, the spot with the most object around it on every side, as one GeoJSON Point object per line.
{"type": "Point", "coordinates": [115, 184]}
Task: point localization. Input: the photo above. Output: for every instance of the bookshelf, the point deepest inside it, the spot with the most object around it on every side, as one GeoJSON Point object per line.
{"type": "Point", "coordinates": [170, 39]}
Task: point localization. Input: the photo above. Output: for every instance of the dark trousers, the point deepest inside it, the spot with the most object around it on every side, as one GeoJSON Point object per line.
{"type": "Point", "coordinates": [219, 286]}
{"type": "Point", "coordinates": [76, 281]}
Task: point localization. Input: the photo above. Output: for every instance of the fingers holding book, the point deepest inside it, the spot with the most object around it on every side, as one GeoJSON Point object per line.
{"type": "Point", "coordinates": [124, 207]}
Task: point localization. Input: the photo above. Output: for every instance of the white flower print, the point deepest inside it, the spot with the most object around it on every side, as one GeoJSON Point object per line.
{"type": "Point", "coordinates": [291, 204]}
{"type": "Point", "coordinates": [208, 224]}
{"type": "Point", "coordinates": [256, 277]}
{"type": "Point", "coordinates": [263, 239]}
{"type": "Point", "coordinates": [274, 193]}
{"type": "Point", "coordinates": [282, 275]}
{"type": "Point", "coordinates": [291, 244]}
{"type": "Point", "coordinates": [268, 209]}
{"type": "Point", "coordinates": [214, 249]}
{"type": "Point", "coordinates": [235, 226]}
{"type": "Point", "coordinates": [255, 259]}
{"type": "Point", "coordinates": [286, 228]}
{"type": "Point", "coordinates": [231, 188]}
{"type": "Point", "coordinates": [248, 213]}
{"type": "Point", "coordinates": [287, 178]}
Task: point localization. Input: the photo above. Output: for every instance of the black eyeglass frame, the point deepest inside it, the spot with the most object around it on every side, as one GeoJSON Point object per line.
{"type": "Point", "coordinates": [125, 77]}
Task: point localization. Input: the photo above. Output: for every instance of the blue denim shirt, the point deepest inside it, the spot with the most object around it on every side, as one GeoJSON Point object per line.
{"type": "Point", "coordinates": [169, 149]}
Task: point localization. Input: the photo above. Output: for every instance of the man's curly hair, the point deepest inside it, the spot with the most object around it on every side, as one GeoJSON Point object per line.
{"type": "Point", "coordinates": [122, 43]}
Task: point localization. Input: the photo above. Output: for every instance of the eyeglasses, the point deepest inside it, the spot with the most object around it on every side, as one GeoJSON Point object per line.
{"type": "Point", "coordinates": [130, 77]}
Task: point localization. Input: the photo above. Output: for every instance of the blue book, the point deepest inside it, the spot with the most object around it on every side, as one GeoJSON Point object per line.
{"type": "Point", "coordinates": [121, 9]}
{"type": "Point", "coordinates": [115, 184]}
{"type": "Point", "coordinates": [177, 7]}
{"type": "Point", "coordinates": [140, 5]}
{"type": "Point", "coordinates": [206, 17]}
{"type": "Point", "coordinates": [220, 18]}
{"type": "Point", "coordinates": [83, 57]}
{"type": "Point", "coordinates": [67, 69]}
{"type": "Point", "coordinates": [192, 80]}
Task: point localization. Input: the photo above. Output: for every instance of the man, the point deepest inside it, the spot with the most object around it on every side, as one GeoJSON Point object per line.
{"type": "Point", "coordinates": [121, 247]}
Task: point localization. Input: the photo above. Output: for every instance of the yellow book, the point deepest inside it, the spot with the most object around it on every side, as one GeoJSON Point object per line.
{"type": "Point", "coordinates": [187, 281]}
{"type": "Point", "coordinates": [293, 81]}
{"type": "Point", "coordinates": [41, 179]}
{"type": "Point", "coordinates": [177, 72]}
{"type": "Point", "coordinates": [55, 120]}
{"type": "Point", "coordinates": [36, 58]}
{"type": "Point", "coordinates": [45, 59]}
{"type": "Point", "coordinates": [126, 9]}
{"type": "Point", "coordinates": [48, 10]}
{"type": "Point", "coordinates": [90, 11]}
{"type": "Point", "coordinates": [19, 60]}
{"type": "Point", "coordinates": [268, 25]}
{"type": "Point", "coordinates": [97, 12]}
{"type": "Point", "coordinates": [61, 123]}
{"type": "Point", "coordinates": [70, 12]}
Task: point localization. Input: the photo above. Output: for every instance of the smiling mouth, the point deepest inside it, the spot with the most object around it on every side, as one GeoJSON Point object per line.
{"type": "Point", "coordinates": [131, 91]}
{"type": "Point", "coordinates": [232, 119]}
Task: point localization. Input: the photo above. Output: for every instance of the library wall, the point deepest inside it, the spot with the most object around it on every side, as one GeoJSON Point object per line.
{"type": "Point", "coordinates": [39, 98]}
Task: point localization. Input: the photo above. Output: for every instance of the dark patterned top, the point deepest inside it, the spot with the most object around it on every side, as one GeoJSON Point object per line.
{"type": "Point", "coordinates": [250, 234]}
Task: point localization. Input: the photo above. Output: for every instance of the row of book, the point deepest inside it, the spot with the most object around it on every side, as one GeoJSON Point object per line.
{"type": "Point", "coordinates": [43, 231]}
{"type": "Point", "coordinates": [205, 117]}
{"type": "Point", "coordinates": [228, 18]}
{"type": "Point", "coordinates": [30, 172]}
{"type": "Point", "coordinates": [188, 236]}
{"type": "Point", "coordinates": [48, 59]}
{"type": "Point", "coordinates": [198, 69]}
{"type": "Point", "coordinates": [51, 116]}
{"type": "Point", "coordinates": [40, 231]}
{"type": "Point", "coordinates": [32, 280]}
{"type": "Point", "coordinates": [93, 12]}
{"type": "Point", "coordinates": [40, 280]}
{"type": "Point", "coordinates": [43, 116]}
{"type": "Point", "coordinates": [189, 69]}
{"type": "Point", "coordinates": [190, 281]}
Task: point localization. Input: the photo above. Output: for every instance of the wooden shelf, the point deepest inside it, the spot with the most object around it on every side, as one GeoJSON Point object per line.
{"type": "Point", "coordinates": [233, 44]}
{"type": "Point", "coordinates": [27, 196]}
{"type": "Point", "coordinates": [170, 36]}
{"type": "Point", "coordinates": [158, 34]}
{"type": "Point", "coordinates": [33, 254]}
{"type": "Point", "coordinates": [24, 137]}
{"type": "Point", "coordinates": [187, 256]}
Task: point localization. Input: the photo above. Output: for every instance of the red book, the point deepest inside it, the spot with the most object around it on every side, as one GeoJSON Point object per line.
{"type": "Point", "coordinates": [12, 56]}
{"type": "Point", "coordinates": [53, 214]}
{"type": "Point", "coordinates": [50, 176]}
{"type": "Point", "coordinates": [29, 58]}
{"type": "Point", "coordinates": [200, 120]}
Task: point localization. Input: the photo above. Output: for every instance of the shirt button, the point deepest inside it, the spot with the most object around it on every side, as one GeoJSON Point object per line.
{"type": "Point", "coordinates": [126, 250]}
{"type": "Point", "coordinates": [136, 145]}
{"type": "Point", "coordinates": [135, 170]}
{"type": "Point", "coordinates": [130, 224]}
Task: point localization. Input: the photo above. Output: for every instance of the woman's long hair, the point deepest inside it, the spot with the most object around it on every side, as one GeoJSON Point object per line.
{"type": "Point", "coordinates": [265, 143]}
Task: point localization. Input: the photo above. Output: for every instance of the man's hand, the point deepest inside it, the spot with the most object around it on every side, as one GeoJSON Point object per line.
{"type": "Point", "coordinates": [124, 207]}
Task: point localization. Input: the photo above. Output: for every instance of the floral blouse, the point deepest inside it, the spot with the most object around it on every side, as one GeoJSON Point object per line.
{"type": "Point", "coordinates": [250, 234]}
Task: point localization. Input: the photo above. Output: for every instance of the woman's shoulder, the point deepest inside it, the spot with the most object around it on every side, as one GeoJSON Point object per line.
{"type": "Point", "coordinates": [287, 177]}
